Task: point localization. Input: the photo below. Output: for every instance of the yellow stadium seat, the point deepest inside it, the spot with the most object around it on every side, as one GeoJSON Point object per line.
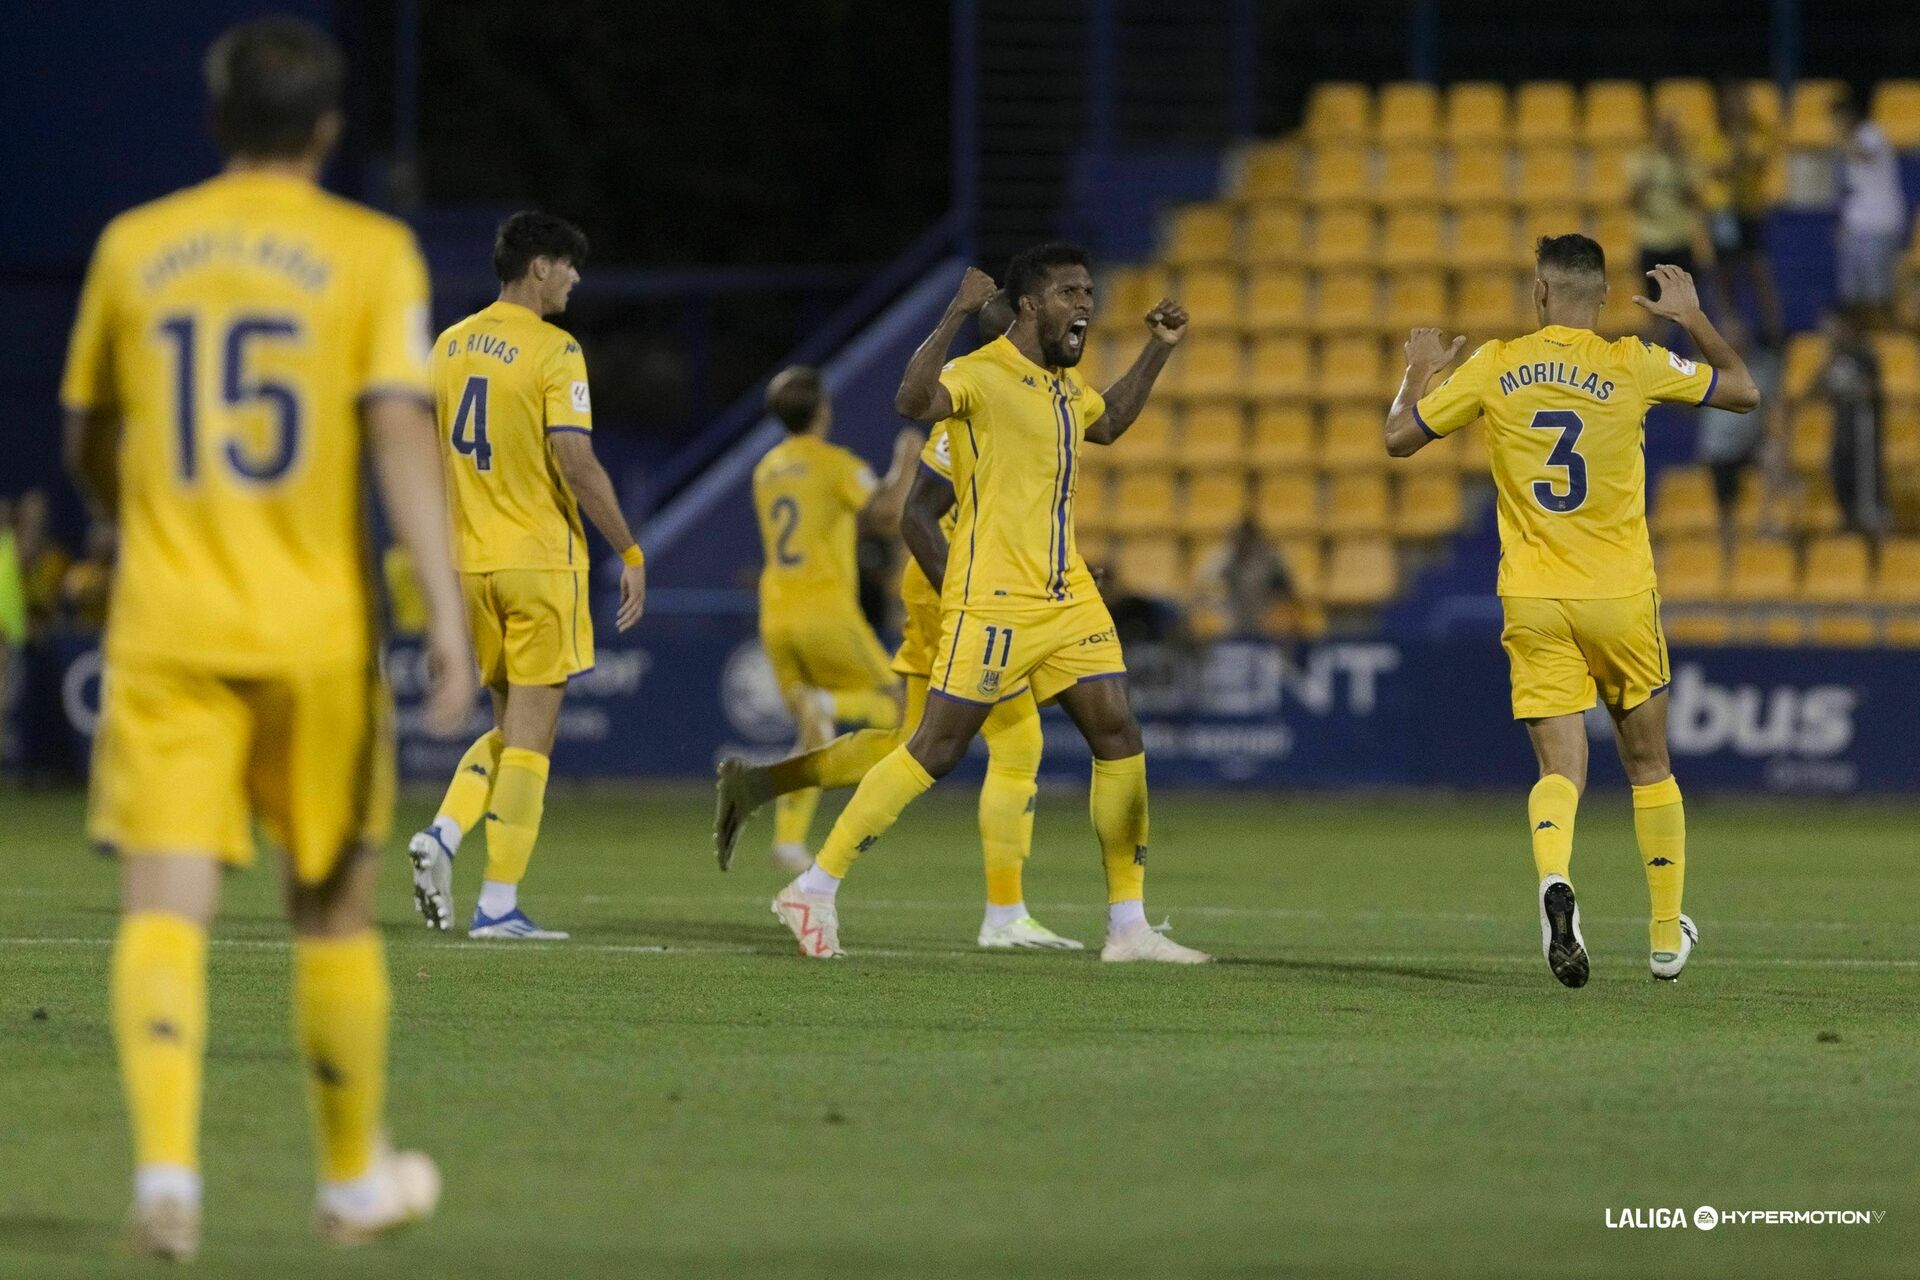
{"type": "Point", "coordinates": [1281, 368]}
{"type": "Point", "coordinates": [1216, 501]}
{"type": "Point", "coordinates": [1613, 228]}
{"type": "Point", "coordinates": [1093, 511]}
{"type": "Point", "coordinates": [1608, 183]}
{"type": "Point", "coordinates": [1342, 174]}
{"type": "Point", "coordinates": [1271, 171]}
{"type": "Point", "coordinates": [1548, 175]}
{"type": "Point", "coordinates": [1277, 299]}
{"type": "Point", "coordinates": [1470, 452]}
{"type": "Point", "coordinates": [1148, 442]}
{"type": "Point", "coordinates": [1810, 443]}
{"type": "Point", "coordinates": [1483, 238]}
{"type": "Point", "coordinates": [1305, 565]}
{"type": "Point", "coordinates": [1818, 511]}
{"type": "Point", "coordinates": [1703, 627]}
{"type": "Point", "coordinates": [1151, 566]}
{"type": "Point", "coordinates": [1478, 175]}
{"type": "Point", "coordinates": [1806, 357]}
{"type": "Point", "coordinates": [1126, 289]}
{"type": "Point", "coordinates": [1210, 367]}
{"type": "Point", "coordinates": [1144, 501]}
{"type": "Point", "coordinates": [1409, 112]}
{"type": "Point", "coordinates": [1901, 446]}
{"type": "Point", "coordinates": [1357, 503]}
{"type": "Point", "coordinates": [1202, 233]}
{"type": "Point", "coordinates": [1283, 435]}
{"type": "Point", "coordinates": [1836, 571]}
{"type": "Point", "coordinates": [1763, 571]}
{"type": "Point", "coordinates": [1620, 317]}
{"type": "Point", "coordinates": [1489, 303]}
{"type": "Point", "coordinates": [1902, 631]}
{"type": "Point", "coordinates": [1414, 238]}
{"type": "Point", "coordinates": [1349, 301]}
{"type": "Point", "coordinates": [1844, 629]}
{"type": "Point", "coordinates": [1350, 437]}
{"type": "Point", "coordinates": [1683, 502]}
{"type": "Point", "coordinates": [1896, 109]}
{"type": "Point", "coordinates": [1544, 112]}
{"type": "Point", "coordinates": [1477, 113]}
{"type": "Point", "coordinates": [1410, 176]}
{"type": "Point", "coordinates": [1784, 630]}
{"type": "Point", "coordinates": [1287, 502]}
{"type": "Point", "coordinates": [1360, 571]}
{"type": "Point", "coordinates": [1897, 580]}
{"type": "Point", "coordinates": [1763, 100]}
{"type": "Point", "coordinates": [1341, 111]}
{"type": "Point", "coordinates": [1414, 299]}
{"type": "Point", "coordinates": [1616, 112]}
{"type": "Point", "coordinates": [1691, 569]}
{"type": "Point", "coordinates": [1810, 114]}
{"type": "Point", "coordinates": [1211, 296]}
{"type": "Point", "coordinates": [1110, 351]}
{"type": "Point", "coordinates": [1542, 219]}
{"type": "Point", "coordinates": [1690, 103]}
{"type": "Point", "coordinates": [1343, 237]}
{"type": "Point", "coordinates": [1350, 368]}
{"type": "Point", "coordinates": [1429, 505]}
{"type": "Point", "coordinates": [1275, 233]}
{"type": "Point", "coordinates": [1213, 435]}
{"type": "Point", "coordinates": [1899, 355]}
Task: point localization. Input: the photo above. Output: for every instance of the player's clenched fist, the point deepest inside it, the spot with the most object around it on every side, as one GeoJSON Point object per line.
{"type": "Point", "coordinates": [976, 288]}
{"type": "Point", "coordinates": [1168, 321]}
{"type": "Point", "coordinates": [1426, 349]}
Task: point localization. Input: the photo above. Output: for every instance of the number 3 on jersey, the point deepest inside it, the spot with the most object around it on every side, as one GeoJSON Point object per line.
{"type": "Point", "coordinates": [470, 424]}
{"type": "Point", "coordinates": [1563, 454]}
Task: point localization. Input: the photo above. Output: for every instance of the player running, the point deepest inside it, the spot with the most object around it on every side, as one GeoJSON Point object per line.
{"type": "Point", "coordinates": [241, 347]}
{"type": "Point", "coordinates": [1019, 610]}
{"type": "Point", "coordinates": [1565, 410]}
{"type": "Point", "coordinates": [812, 498]}
{"type": "Point", "coordinates": [510, 391]}
{"type": "Point", "coordinates": [1012, 728]}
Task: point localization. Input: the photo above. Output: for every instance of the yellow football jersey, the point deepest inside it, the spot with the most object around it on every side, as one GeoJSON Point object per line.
{"type": "Point", "coordinates": [1016, 437]}
{"type": "Point", "coordinates": [808, 494]}
{"type": "Point", "coordinates": [936, 456]}
{"type": "Point", "coordinates": [234, 327]}
{"type": "Point", "coordinates": [1565, 412]}
{"type": "Point", "coordinates": [504, 381]}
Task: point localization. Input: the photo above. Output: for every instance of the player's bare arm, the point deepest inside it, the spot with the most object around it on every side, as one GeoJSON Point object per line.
{"type": "Point", "coordinates": [1427, 355]}
{"type": "Point", "coordinates": [1680, 302]}
{"type": "Point", "coordinates": [928, 500]}
{"type": "Point", "coordinates": [1166, 326]}
{"type": "Point", "coordinates": [91, 443]}
{"type": "Point", "coordinates": [921, 397]}
{"type": "Point", "coordinates": [406, 466]}
{"type": "Point", "coordinates": [881, 515]}
{"type": "Point", "coordinates": [580, 468]}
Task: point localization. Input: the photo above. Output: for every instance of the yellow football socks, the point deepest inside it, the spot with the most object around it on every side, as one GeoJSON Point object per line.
{"type": "Point", "coordinates": [1119, 804]}
{"type": "Point", "coordinates": [341, 1002]}
{"type": "Point", "coordinates": [841, 763]}
{"type": "Point", "coordinates": [1014, 741]}
{"type": "Point", "coordinates": [466, 798]}
{"type": "Point", "coordinates": [159, 997]}
{"type": "Point", "coordinates": [1660, 825]}
{"type": "Point", "coordinates": [1550, 809]}
{"type": "Point", "coordinates": [869, 708]}
{"type": "Point", "coordinates": [889, 787]}
{"type": "Point", "coordinates": [519, 797]}
{"type": "Point", "coordinates": [793, 814]}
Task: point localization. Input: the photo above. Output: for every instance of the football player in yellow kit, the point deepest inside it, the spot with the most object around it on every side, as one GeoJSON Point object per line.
{"type": "Point", "coordinates": [516, 420]}
{"type": "Point", "coordinates": [242, 347]}
{"type": "Point", "coordinates": [1020, 615]}
{"type": "Point", "coordinates": [1565, 411]}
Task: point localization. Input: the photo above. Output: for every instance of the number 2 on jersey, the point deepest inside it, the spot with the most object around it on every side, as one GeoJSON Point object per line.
{"type": "Point", "coordinates": [1563, 454]}
{"type": "Point", "coordinates": [470, 424]}
{"type": "Point", "coordinates": [786, 513]}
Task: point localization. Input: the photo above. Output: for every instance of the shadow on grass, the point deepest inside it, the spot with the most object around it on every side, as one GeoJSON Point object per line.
{"type": "Point", "coordinates": [45, 1233]}
{"type": "Point", "coordinates": [1358, 968]}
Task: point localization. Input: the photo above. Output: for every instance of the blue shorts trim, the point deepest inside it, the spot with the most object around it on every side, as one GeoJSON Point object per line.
{"type": "Point", "coordinates": [1421, 423]}
{"type": "Point", "coordinates": [1023, 691]}
{"type": "Point", "coordinates": [1104, 675]}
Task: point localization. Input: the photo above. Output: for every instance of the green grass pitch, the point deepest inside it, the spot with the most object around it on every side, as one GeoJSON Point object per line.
{"type": "Point", "coordinates": [1383, 1080]}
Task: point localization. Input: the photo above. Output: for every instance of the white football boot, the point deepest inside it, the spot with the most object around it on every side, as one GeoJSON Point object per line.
{"type": "Point", "coordinates": [432, 878]}
{"type": "Point", "coordinates": [1560, 941]}
{"type": "Point", "coordinates": [732, 806]}
{"type": "Point", "coordinates": [1026, 933]}
{"type": "Point", "coordinates": [403, 1187]}
{"type": "Point", "coordinates": [165, 1228]}
{"type": "Point", "coordinates": [1666, 965]}
{"type": "Point", "coordinates": [1144, 942]}
{"type": "Point", "coordinates": [813, 920]}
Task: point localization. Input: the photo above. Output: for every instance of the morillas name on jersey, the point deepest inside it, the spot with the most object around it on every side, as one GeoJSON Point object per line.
{"type": "Point", "coordinates": [1554, 373]}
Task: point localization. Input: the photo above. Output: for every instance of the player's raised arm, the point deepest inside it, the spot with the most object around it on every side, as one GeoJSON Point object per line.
{"type": "Point", "coordinates": [580, 467]}
{"type": "Point", "coordinates": [929, 499]}
{"type": "Point", "coordinates": [1166, 325]}
{"type": "Point", "coordinates": [921, 397]}
{"type": "Point", "coordinates": [1426, 356]}
{"type": "Point", "coordinates": [881, 514]}
{"type": "Point", "coordinates": [1679, 302]}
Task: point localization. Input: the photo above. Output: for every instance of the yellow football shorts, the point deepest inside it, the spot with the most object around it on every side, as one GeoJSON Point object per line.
{"type": "Point", "coordinates": [991, 653]}
{"type": "Point", "coordinates": [530, 626]}
{"type": "Point", "coordinates": [186, 759]}
{"type": "Point", "coordinates": [836, 651]}
{"type": "Point", "coordinates": [919, 638]}
{"type": "Point", "coordinates": [1564, 653]}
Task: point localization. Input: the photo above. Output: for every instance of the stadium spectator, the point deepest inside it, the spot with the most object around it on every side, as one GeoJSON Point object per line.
{"type": "Point", "coordinates": [1851, 384]}
{"type": "Point", "coordinates": [83, 592]}
{"type": "Point", "coordinates": [1666, 200]}
{"type": "Point", "coordinates": [1248, 581]}
{"type": "Point", "coordinates": [1137, 618]}
{"type": "Point", "coordinates": [1873, 215]}
{"type": "Point", "coordinates": [1731, 444]}
{"type": "Point", "coordinates": [1738, 159]}
{"type": "Point", "coordinates": [43, 561]}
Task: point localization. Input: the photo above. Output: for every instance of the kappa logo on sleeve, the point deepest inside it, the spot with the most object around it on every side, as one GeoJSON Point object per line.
{"type": "Point", "coordinates": [581, 404]}
{"type": "Point", "coordinates": [1681, 363]}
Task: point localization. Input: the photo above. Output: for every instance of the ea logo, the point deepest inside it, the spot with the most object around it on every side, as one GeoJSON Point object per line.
{"type": "Point", "coordinates": [751, 696]}
{"type": "Point", "coordinates": [1706, 1217]}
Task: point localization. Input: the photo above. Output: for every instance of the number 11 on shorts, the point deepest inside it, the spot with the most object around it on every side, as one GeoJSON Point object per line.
{"type": "Point", "coordinates": [1004, 636]}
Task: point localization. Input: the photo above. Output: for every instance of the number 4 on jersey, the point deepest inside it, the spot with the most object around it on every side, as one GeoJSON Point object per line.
{"type": "Point", "coordinates": [470, 425]}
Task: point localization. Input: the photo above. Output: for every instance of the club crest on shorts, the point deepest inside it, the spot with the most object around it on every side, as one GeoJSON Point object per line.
{"type": "Point", "coordinates": [989, 682]}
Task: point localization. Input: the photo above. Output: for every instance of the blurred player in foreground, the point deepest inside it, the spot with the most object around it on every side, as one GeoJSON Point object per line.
{"type": "Point", "coordinates": [1012, 728]}
{"type": "Point", "coordinates": [1019, 611]}
{"type": "Point", "coordinates": [241, 346]}
{"type": "Point", "coordinates": [516, 420]}
{"type": "Point", "coordinates": [1565, 413]}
